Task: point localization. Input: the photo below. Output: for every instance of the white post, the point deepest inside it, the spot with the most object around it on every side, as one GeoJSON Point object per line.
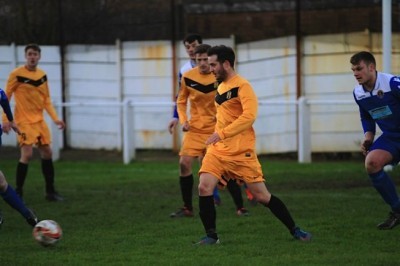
{"type": "Point", "coordinates": [55, 134]}
{"type": "Point", "coordinates": [55, 143]}
{"type": "Point", "coordinates": [304, 138]}
{"type": "Point", "coordinates": [119, 77]}
{"type": "Point", "coordinates": [387, 35]}
{"type": "Point", "coordinates": [14, 58]}
{"type": "Point", "coordinates": [128, 149]}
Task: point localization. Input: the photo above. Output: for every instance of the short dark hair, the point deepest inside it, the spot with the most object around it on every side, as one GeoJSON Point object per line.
{"type": "Point", "coordinates": [202, 48]}
{"type": "Point", "coordinates": [33, 46]}
{"type": "Point", "coordinates": [223, 53]}
{"type": "Point", "coordinates": [192, 37]}
{"type": "Point", "coordinates": [367, 57]}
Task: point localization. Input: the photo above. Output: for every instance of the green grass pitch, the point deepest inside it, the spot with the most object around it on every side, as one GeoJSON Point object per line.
{"type": "Point", "coordinates": [118, 214]}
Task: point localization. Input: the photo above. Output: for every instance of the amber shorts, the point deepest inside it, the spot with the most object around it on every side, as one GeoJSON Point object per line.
{"type": "Point", "coordinates": [246, 171]}
{"type": "Point", "coordinates": [34, 134]}
{"type": "Point", "coordinates": [193, 144]}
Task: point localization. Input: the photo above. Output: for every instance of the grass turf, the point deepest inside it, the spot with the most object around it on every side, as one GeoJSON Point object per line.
{"type": "Point", "coordinates": [119, 215]}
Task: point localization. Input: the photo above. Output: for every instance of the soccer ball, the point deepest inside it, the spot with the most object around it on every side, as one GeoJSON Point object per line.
{"type": "Point", "coordinates": [47, 232]}
{"type": "Point", "coordinates": [388, 168]}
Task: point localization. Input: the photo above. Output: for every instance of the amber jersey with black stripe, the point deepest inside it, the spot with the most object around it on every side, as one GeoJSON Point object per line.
{"type": "Point", "coordinates": [199, 89]}
{"type": "Point", "coordinates": [237, 107]}
{"type": "Point", "coordinates": [32, 96]}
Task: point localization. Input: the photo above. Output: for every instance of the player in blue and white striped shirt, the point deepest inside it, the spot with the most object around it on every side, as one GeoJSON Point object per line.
{"type": "Point", "coordinates": [378, 97]}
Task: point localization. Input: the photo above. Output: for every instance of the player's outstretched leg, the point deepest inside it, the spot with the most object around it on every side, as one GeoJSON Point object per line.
{"type": "Point", "coordinates": [278, 208]}
{"type": "Point", "coordinates": [15, 201]}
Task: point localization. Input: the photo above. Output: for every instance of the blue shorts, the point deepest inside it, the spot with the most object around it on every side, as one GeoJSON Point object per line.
{"type": "Point", "coordinates": [389, 144]}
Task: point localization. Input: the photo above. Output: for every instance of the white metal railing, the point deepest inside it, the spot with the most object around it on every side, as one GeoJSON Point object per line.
{"type": "Point", "coordinates": [128, 143]}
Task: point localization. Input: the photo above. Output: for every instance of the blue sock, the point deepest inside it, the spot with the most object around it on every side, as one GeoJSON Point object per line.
{"type": "Point", "coordinates": [216, 193]}
{"type": "Point", "coordinates": [386, 188]}
{"type": "Point", "coordinates": [15, 201]}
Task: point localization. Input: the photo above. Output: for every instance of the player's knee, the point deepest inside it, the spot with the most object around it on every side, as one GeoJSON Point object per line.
{"type": "Point", "coordinates": [373, 166]}
{"type": "Point", "coordinates": [26, 157]}
{"type": "Point", "coordinates": [205, 189]}
{"type": "Point", "coordinates": [261, 198]}
{"type": "Point", "coordinates": [185, 168]}
{"type": "Point", "coordinates": [3, 182]}
{"type": "Point", "coordinates": [46, 153]}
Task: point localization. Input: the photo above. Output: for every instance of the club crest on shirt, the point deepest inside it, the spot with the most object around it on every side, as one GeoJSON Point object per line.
{"type": "Point", "coordinates": [380, 94]}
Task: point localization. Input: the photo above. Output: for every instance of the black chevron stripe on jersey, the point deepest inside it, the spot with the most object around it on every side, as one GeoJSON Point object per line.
{"type": "Point", "coordinates": [201, 87]}
{"type": "Point", "coordinates": [32, 82]}
{"type": "Point", "coordinates": [232, 93]}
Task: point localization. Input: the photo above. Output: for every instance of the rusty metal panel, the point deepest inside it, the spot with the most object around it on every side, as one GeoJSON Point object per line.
{"type": "Point", "coordinates": [336, 43]}
{"type": "Point", "coordinates": [91, 53]}
{"type": "Point", "coordinates": [273, 48]}
{"type": "Point", "coordinates": [269, 65]}
{"type": "Point", "coordinates": [326, 64]}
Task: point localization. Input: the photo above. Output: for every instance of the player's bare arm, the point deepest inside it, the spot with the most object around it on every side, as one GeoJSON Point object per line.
{"type": "Point", "coordinates": [172, 124]}
{"type": "Point", "coordinates": [367, 142]}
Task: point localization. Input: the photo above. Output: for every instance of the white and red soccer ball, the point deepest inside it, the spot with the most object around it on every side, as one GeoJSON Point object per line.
{"type": "Point", "coordinates": [47, 232]}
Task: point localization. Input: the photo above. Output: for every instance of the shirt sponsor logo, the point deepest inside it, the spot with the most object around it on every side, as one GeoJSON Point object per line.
{"type": "Point", "coordinates": [380, 112]}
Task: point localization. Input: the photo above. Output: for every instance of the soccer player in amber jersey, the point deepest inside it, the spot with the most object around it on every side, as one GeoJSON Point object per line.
{"type": "Point", "coordinates": [6, 191]}
{"type": "Point", "coordinates": [378, 97]}
{"type": "Point", "coordinates": [190, 42]}
{"type": "Point", "coordinates": [231, 152]}
{"type": "Point", "coordinates": [198, 86]}
{"type": "Point", "coordinates": [28, 84]}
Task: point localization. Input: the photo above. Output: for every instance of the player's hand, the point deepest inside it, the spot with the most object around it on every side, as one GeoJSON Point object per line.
{"type": "Point", "coordinates": [365, 145]}
{"type": "Point", "coordinates": [60, 124]}
{"type": "Point", "coordinates": [186, 127]}
{"type": "Point", "coordinates": [214, 138]}
{"type": "Point", "coordinates": [6, 127]}
{"type": "Point", "coordinates": [14, 127]}
{"type": "Point", "coordinates": [172, 124]}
